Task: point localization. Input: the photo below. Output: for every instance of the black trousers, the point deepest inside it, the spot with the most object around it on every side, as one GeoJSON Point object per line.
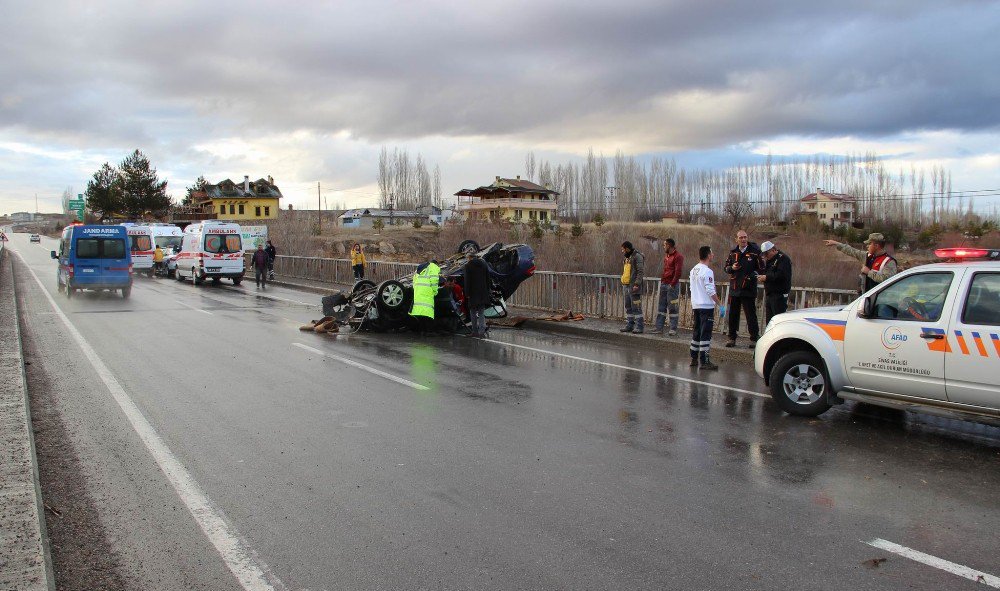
{"type": "Point", "coordinates": [701, 335]}
{"type": "Point", "coordinates": [774, 304]}
{"type": "Point", "coordinates": [749, 306]}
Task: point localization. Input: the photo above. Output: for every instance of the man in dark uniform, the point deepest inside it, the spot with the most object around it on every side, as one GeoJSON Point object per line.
{"type": "Point", "coordinates": [743, 265]}
{"type": "Point", "coordinates": [777, 280]}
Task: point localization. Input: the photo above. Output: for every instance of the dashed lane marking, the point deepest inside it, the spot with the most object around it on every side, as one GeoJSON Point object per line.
{"type": "Point", "coordinates": [194, 308]}
{"type": "Point", "coordinates": [364, 367]}
{"type": "Point", "coordinates": [938, 563]}
{"type": "Point", "coordinates": [627, 368]}
{"type": "Point", "coordinates": [250, 571]}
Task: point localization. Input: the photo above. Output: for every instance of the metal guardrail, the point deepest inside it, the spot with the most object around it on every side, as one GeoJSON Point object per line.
{"type": "Point", "coordinates": [600, 296]}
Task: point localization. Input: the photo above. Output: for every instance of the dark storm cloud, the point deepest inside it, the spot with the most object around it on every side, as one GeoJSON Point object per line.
{"type": "Point", "coordinates": [657, 74]}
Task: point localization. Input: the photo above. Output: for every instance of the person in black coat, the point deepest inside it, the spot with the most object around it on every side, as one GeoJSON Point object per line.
{"type": "Point", "coordinates": [477, 294]}
{"type": "Point", "coordinates": [743, 266]}
{"type": "Point", "coordinates": [272, 253]}
{"type": "Point", "coordinates": [777, 280]}
{"type": "Point", "coordinates": [259, 263]}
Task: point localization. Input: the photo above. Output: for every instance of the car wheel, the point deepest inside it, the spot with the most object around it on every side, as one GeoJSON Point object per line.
{"type": "Point", "coordinates": [126, 292]}
{"type": "Point", "coordinates": [177, 275]}
{"type": "Point", "coordinates": [216, 280]}
{"type": "Point", "coordinates": [362, 284]}
{"type": "Point", "coordinates": [468, 247]}
{"type": "Point", "coordinates": [392, 296]}
{"type": "Point", "coordinates": [800, 384]}
{"type": "Point", "coordinates": [194, 277]}
{"type": "Point", "coordinates": [237, 280]}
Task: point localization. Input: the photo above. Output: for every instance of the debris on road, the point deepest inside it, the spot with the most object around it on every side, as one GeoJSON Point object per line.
{"type": "Point", "coordinates": [874, 562]}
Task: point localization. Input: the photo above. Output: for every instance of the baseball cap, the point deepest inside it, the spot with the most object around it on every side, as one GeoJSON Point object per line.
{"type": "Point", "coordinates": [875, 237]}
{"type": "Point", "coordinates": [768, 245]}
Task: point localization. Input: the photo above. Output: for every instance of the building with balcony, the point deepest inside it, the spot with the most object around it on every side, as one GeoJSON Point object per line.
{"type": "Point", "coordinates": [832, 209]}
{"type": "Point", "coordinates": [512, 200]}
{"type": "Point", "coordinates": [227, 200]}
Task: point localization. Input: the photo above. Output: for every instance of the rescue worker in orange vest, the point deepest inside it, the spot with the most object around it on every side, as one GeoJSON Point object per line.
{"type": "Point", "coordinates": [879, 265]}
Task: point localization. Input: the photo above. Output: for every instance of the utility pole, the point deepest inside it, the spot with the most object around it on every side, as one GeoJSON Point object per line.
{"type": "Point", "coordinates": [36, 203]}
{"type": "Point", "coordinates": [319, 210]}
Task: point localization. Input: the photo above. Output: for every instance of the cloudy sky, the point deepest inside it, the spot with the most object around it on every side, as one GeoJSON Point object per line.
{"type": "Point", "coordinates": [310, 91]}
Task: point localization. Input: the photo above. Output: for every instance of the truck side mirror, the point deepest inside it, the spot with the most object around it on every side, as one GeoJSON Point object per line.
{"type": "Point", "coordinates": [53, 254]}
{"type": "Point", "coordinates": [867, 308]}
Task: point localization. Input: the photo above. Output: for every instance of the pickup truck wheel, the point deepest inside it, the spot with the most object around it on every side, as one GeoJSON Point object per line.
{"type": "Point", "coordinates": [126, 291]}
{"type": "Point", "coordinates": [800, 384]}
{"type": "Point", "coordinates": [237, 280]}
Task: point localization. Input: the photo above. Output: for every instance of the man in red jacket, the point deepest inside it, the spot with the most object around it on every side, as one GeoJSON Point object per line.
{"type": "Point", "coordinates": [673, 262]}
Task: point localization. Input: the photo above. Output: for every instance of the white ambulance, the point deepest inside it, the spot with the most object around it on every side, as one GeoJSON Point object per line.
{"type": "Point", "coordinates": [211, 250]}
{"type": "Point", "coordinates": [926, 339]}
{"type": "Point", "coordinates": [169, 238]}
{"type": "Point", "coordinates": [140, 244]}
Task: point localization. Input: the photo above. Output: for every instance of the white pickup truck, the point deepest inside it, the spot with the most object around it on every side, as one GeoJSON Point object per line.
{"type": "Point", "coordinates": [927, 339]}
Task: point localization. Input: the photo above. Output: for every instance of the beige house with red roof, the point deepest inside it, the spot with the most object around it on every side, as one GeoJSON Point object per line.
{"type": "Point", "coordinates": [832, 209]}
{"type": "Point", "coordinates": [513, 200]}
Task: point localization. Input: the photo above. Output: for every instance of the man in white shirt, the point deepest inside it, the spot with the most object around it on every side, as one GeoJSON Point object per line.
{"type": "Point", "coordinates": [703, 302]}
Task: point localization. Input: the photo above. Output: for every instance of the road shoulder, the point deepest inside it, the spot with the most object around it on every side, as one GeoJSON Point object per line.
{"type": "Point", "coordinates": [25, 562]}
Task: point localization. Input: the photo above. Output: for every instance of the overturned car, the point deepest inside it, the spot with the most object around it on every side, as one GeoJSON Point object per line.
{"type": "Point", "coordinates": [386, 306]}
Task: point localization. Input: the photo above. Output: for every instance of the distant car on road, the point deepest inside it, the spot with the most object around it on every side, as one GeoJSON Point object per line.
{"type": "Point", "coordinates": [925, 339]}
{"type": "Point", "coordinates": [386, 305]}
{"type": "Point", "coordinates": [35, 238]}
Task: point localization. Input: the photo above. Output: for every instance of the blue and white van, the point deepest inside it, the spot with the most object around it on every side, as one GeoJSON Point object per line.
{"type": "Point", "coordinates": [95, 258]}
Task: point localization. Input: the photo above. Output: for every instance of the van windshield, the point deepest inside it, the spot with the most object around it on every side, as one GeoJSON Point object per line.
{"type": "Point", "coordinates": [223, 243]}
{"type": "Point", "coordinates": [140, 242]}
{"type": "Point", "coordinates": [100, 248]}
{"type": "Point", "coordinates": [168, 242]}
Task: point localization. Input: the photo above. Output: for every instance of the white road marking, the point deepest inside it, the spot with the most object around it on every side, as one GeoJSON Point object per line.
{"type": "Point", "coordinates": [274, 297]}
{"type": "Point", "coordinates": [635, 369]}
{"type": "Point", "coordinates": [194, 308]}
{"type": "Point", "coordinates": [361, 366]}
{"type": "Point", "coordinates": [938, 563]}
{"type": "Point", "coordinates": [250, 571]}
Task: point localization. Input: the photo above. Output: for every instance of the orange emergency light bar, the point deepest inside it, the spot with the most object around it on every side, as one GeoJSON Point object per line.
{"type": "Point", "coordinates": [967, 253]}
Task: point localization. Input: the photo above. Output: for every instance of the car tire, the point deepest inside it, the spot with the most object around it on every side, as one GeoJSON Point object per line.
{"type": "Point", "coordinates": [393, 297]}
{"type": "Point", "coordinates": [468, 247]}
{"type": "Point", "coordinates": [362, 284]}
{"type": "Point", "coordinates": [126, 292]}
{"type": "Point", "coordinates": [194, 277]}
{"type": "Point", "coordinates": [800, 384]}
{"type": "Point", "coordinates": [216, 280]}
{"type": "Point", "coordinates": [177, 275]}
{"type": "Point", "coordinates": [237, 280]}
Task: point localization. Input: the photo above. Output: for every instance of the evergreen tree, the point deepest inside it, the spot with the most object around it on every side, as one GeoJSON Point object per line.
{"type": "Point", "coordinates": [103, 193]}
{"type": "Point", "coordinates": [199, 185]}
{"type": "Point", "coordinates": [141, 191]}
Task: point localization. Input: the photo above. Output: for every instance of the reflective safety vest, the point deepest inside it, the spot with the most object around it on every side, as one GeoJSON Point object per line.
{"type": "Point", "coordinates": [425, 288]}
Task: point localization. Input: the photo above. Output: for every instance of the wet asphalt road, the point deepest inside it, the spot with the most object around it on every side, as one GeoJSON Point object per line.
{"type": "Point", "coordinates": [525, 462]}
